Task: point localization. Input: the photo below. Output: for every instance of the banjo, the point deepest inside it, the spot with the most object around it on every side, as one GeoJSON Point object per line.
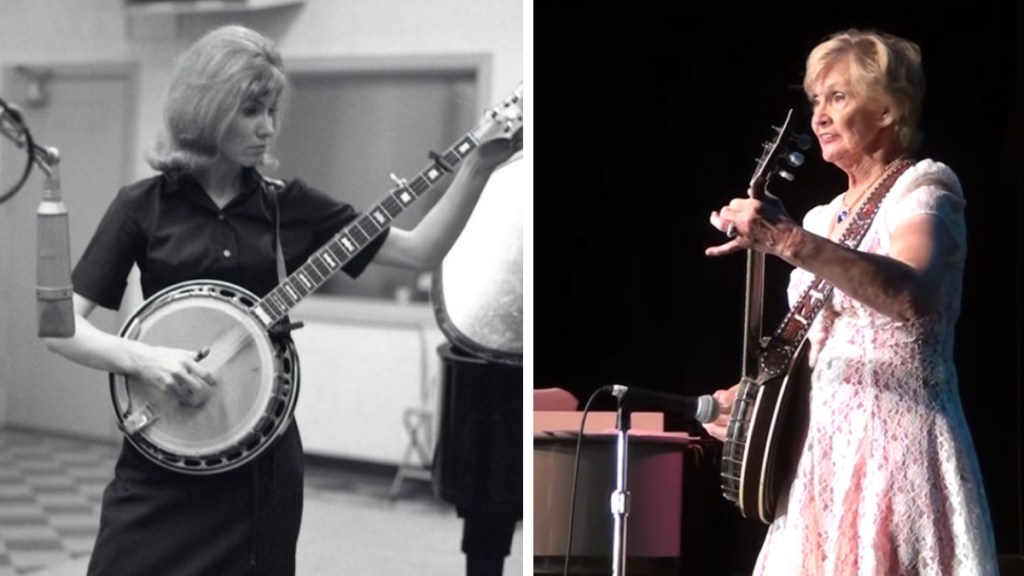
{"type": "Point", "coordinates": [256, 369]}
{"type": "Point", "coordinates": [768, 421]}
{"type": "Point", "coordinates": [757, 452]}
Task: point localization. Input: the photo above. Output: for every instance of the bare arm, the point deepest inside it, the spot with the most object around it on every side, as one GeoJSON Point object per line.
{"type": "Point", "coordinates": [166, 368]}
{"type": "Point", "coordinates": [425, 246]}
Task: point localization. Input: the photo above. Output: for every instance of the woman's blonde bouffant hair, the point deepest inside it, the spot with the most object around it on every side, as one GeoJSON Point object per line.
{"type": "Point", "coordinates": [224, 69]}
{"type": "Point", "coordinates": [883, 68]}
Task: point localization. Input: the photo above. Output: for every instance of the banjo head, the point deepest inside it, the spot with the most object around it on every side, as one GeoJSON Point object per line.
{"type": "Point", "coordinates": [256, 383]}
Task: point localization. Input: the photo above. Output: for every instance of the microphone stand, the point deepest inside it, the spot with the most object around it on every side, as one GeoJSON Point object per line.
{"type": "Point", "coordinates": [620, 497]}
{"type": "Point", "coordinates": [13, 127]}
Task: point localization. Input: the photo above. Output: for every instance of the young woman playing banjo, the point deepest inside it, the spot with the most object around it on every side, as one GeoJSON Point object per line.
{"type": "Point", "coordinates": [887, 481]}
{"type": "Point", "coordinates": [209, 214]}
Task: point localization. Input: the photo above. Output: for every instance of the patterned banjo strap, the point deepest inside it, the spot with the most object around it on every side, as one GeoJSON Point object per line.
{"type": "Point", "coordinates": [782, 345]}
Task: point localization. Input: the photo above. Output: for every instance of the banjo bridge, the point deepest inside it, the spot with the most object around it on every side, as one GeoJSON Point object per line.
{"type": "Point", "coordinates": [134, 423]}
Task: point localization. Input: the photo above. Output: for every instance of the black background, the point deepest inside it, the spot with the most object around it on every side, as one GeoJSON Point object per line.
{"type": "Point", "coordinates": [649, 115]}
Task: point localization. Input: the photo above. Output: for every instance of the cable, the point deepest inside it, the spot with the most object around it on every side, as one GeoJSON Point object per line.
{"type": "Point", "coordinates": [17, 124]}
{"type": "Point", "coordinates": [575, 477]}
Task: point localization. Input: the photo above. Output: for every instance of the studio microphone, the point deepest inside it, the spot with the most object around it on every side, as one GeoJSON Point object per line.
{"type": "Point", "coordinates": [54, 305]}
{"type": "Point", "coordinates": [700, 408]}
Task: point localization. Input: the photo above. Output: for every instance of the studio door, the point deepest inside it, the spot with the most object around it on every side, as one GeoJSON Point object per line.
{"type": "Point", "coordinates": [87, 113]}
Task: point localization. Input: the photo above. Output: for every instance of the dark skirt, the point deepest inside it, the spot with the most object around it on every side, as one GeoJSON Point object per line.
{"type": "Point", "coordinates": [158, 522]}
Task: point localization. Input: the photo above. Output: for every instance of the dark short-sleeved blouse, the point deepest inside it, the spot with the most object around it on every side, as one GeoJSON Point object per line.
{"type": "Point", "coordinates": [170, 227]}
{"type": "Point", "coordinates": [245, 520]}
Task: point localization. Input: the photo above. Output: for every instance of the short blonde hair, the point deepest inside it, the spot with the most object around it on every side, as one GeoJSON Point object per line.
{"type": "Point", "coordinates": [883, 68]}
{"type": "Point", "coordinates": [220, 72]}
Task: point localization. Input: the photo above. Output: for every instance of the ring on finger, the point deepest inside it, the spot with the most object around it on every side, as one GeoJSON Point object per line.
{"type": "Point", "coordinates": [731, 231]}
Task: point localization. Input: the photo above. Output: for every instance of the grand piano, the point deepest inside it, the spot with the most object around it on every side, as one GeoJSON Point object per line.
{"type": "Point", "coordinates": [477, 297]}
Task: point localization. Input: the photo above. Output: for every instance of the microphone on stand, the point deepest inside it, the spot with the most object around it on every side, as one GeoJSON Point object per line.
{"type": "Point", "coordinates": [54, 305]}
{"type": "Point", "coordinates": [700, 408]}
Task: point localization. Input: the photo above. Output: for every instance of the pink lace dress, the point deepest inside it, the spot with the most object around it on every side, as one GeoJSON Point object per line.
{"type": "Point", "coordinates": [888, 483]}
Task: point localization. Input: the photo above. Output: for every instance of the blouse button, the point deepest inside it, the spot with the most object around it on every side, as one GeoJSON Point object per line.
{"type": "Point", "coordinates": [227, 253]}
{"type": "Point", "coordinates": [220, 217]}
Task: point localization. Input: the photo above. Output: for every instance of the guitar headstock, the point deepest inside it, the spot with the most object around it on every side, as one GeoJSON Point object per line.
{"type": "Point", "coordinates": [504, 120]}
{"type": "Point", "coordinates": [774, 151]}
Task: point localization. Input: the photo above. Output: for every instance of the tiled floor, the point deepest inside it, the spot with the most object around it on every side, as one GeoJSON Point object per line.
{"type": "Point", "coordinates": [50, 490]}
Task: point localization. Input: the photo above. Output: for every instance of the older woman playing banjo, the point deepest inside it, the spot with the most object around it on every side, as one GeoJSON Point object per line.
{"type": "Point", "coordinates": [887, 481]}
{"type": "Point", "coordinates": [210, 215]}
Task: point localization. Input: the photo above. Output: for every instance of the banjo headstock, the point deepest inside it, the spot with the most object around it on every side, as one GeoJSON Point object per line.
{"type": "Point", "coordinates": [503, 120]}
{"type": "Point", "coordinates": [774, 151]}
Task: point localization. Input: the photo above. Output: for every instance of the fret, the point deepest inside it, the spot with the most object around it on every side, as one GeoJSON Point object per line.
{"type": "Point", "coordinates": [278, 299]}
{"type": "Point", "coordinates": [404, 196]}
{"type": "Point", "coordinates": [368, 227]}
{"type": "Point", "coordinates": [339, 252]}
{"type": "Point", "coordinates": [465, 146]}
{"type": "Point", "coordinates": [348, 244]}
{"type": "Point", "coordinates": [381, 217]}
{"type": "Point", "coordinates": [357, 236]}
{"type": "Point", "coordinates": [307, 284]}
{"type": "Point", "coordinates": [296, 292]}
{"type": "Point", "coordinates": [312, 272]}
{"type": "Point", "coordinates": [452, 158]}
{"type": "Point", "coordinates": [272, 308]}
{"type": "Point", "coordinates": [262, 315]}
{"type": "Point", "coordinates": [326, 256]}
{"type": "Point", "coordinates": [392, 206]}
{"type": "Point", "coordinates": [323, 269]}
{"type": "Point", "coordinates": [434, 174]}
{"type": "Point", "coordinates": [419, 185]}
{"type": "Point", "coordinates": [285, 296]}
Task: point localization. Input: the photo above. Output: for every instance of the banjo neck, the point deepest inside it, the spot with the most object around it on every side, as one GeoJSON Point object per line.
{"type": "Point", "coordinates": [502, 121]}
{"type": "Point", "coordinates": [748, 451]}
{"type": "Point", "coordinates": [754, 303]}
{"type": "Point", "coordinates": [753, 314]}
{"type": "Point", "coordinates": [327, 260]}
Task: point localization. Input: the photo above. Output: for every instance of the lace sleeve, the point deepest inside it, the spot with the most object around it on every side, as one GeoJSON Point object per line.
{"type": "Point", "coordinates": [936, 191]}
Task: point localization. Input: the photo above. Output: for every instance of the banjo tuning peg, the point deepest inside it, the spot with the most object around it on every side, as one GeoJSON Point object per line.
{"type": "Point", "coordinates": [802, 141]}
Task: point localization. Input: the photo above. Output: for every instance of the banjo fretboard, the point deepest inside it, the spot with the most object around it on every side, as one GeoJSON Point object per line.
{"type": "Point", "coordinates": [353, 238]}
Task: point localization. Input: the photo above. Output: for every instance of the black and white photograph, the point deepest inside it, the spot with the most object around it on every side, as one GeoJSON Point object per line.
{"type": "Point", "coordinates": [261, 287]}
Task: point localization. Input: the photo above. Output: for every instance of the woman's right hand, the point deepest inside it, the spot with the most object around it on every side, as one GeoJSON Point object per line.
{"type": "Point", "coordinates": [174, 371]}
{"type": "Point", "coordinates": [720, 425]}
{"type": "Point", "coordinates": [171, 370]}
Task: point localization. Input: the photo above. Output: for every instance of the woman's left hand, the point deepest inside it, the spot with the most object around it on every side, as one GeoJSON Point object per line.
{"type": "Point", "coordinates": [763, 225]}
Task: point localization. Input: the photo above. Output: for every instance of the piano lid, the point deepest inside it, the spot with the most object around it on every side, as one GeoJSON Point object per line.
{"type": "Point", "coordinates": [477, 292]}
